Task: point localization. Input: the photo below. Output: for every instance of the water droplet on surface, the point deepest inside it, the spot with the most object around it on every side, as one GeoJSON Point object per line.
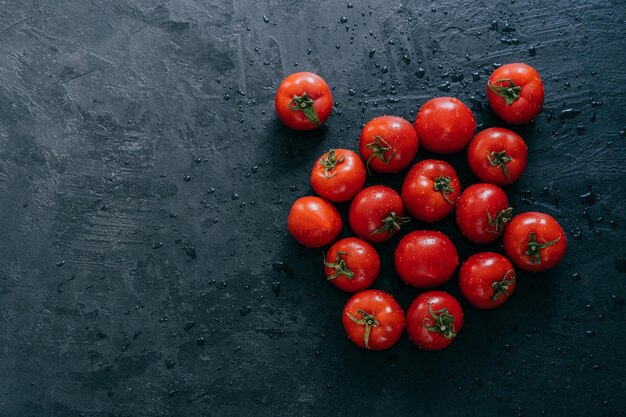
{"type": "Point", "coordinates": [569, 113]}
{"type": "Point", "coordinates": [590, 333]}
{"type": "Point", "coordinates": [187, 178]}
{"type": "Point", "coordinates": [343, 19]}
{"type": "Point", "coordinates": [200, 341]}
{"type": "Point", "coordinates": [419, 73]}
{"type": "Point", "coordinates": [588, 198]}
{"type": "Point", "coordinates": [157, 245]}
{"type": "Point", "coordinates": [266, 19]}
{"type": "Point", "coordinates": [60, 263]}
{"type": "Point", "coordinates": [210, 190]}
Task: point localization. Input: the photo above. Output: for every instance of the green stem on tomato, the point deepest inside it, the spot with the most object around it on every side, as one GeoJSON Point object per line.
{"type": "Point", "coordinates": [304, 104]}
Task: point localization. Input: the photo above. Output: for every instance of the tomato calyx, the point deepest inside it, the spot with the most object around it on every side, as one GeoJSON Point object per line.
{"type": "Point", "coordinates": [340, 267]}
{"type": "Point", "coordinates": [390, 223]}
{"type": "Point", "coordinates": [501, 287]}
{"type": "Point", "coordinates": [367, 320]}
{"type": "Point", "coordinates": [442, 184]}
{"type": "Point", "coordinates": [533, 249]}
{"type": "Point", "coordinates": [378, 147]}
{"type": "Point", "coordinates": [304, 104]}
{"type": "Point", "coordinates": [330, 162]}
{"type": "Point", "coordinates": [501, 219]}
{"type": "Point", "coordinates": [442, 322]}
{"type": "Point", "coordinates": [510, 93]}
{"type": "Point", "coordinates": [499, 160]}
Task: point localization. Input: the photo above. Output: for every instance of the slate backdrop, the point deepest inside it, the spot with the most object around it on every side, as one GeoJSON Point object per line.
{"type": "Point", "coordinates": [145, 267]}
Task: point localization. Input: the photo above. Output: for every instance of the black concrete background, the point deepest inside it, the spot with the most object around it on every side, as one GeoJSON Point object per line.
{"type": "Point", "coordinates": [145, 267]}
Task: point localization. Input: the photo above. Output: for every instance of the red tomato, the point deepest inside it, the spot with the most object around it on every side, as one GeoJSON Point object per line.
{"type": "Point", "coordinates": [482, 212]}
{"type": "Point", "coordinates": [303, 101]}
{"type": "Point", "coordinates": [425, 258]}
{"type": "Point", "coordinates": [338, 175]}
{"type": "Point", "coordinates": [444, 125]}
{"type": "Point", "coordinates": [388, 144]}
{"type": "Point", "coordinates": [373, 319]}
{"type": "Point", "coordinates": [534, 241]}
{"type": "Point", "coordinates": [487, 280]}
{"type": "Point", "coordinates": [376, 214]}
{"type": "Point", "coordinates": [314, 222]}
{"type": "Point", "coordinates": [433, 320]}
{"type": "Point", "coordinates": [430, 190]}
{"type": "Point", "coordinates": [515, 93]}
{"type": "Point", "coordinates": [352, 264]}
{"type": "Point", "coordinates": [497, 156]}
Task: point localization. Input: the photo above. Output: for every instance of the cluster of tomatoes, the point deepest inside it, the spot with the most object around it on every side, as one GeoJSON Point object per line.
{"type": "Point", "coordinates": [424, 259]}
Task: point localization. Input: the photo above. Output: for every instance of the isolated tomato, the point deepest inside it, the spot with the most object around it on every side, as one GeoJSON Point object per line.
{"type": "Point", "coordinates": [425, 258]}
{"type": "Point", "coordinates": [497, 156]}
{"type": "Point", "coordinates": [388, 144]}
{"type": "Point", "coordinates": [303, 101]}
{"type": "Point", "coordinates": [515, 93]}
{"type": "Point", "coordinates": [487, 280]}
{"type": "Point", "coordinates": [376, 214]}
{"type": "Point", "coordinates": [314, 222]}
{"type": "Point", "coordinates": [338, 175]}
{"type": "Point", "coordinates": [430, 190]}
{"type": "Point", "coordinates": [433, 320]}
{"type": "Point", "coordinates": [482, 212]}
{"type": "Point", "coordinates": [444, 125]}
{"type": "Point", "coordinates": [534, 241]}
{"type": "Point", "coordinates": [352, 264]}
{"type": "Point", "coordinates": [373, 319]}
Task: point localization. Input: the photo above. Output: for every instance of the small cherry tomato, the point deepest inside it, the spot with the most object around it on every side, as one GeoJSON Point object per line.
{"type": "Point", "coordinates": [338, 175]}
{"type": "Point", "coordinates": [487, 280]}
{"type": "Point", "coordinates": [433, 320]}
{"type": "Point", "coordinates": [534, 241]}
{"type": "Point", "coordinates": [444, 125]}
{"type": "Point", "coordinates": [482, 212]}
{"type": "Point", "coordinates": [425, 258]}
{"type": "Point", "coordinates": [430, 190]}
{"type": "Point", "coordinates": [352, 264]}
{"type": "Point", "coordinates": [497, 156]}
{"type": "Point", "coordinates": [373, 320]}
{"type": "Point", "coordinates": [376, 214]}
{"type": "Point", "coordinates": [515, 93]}
{"type": "Point", "coordinates": [314, 222]}
{"type": "Point", "coordinates": [388, 144]}
{"type": "Point", "coordinates": [303, 101]}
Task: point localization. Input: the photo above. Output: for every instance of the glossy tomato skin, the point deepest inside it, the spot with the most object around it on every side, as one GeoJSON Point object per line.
{"type": "Point", "coordinates": [525, 103]}
{"type": "Point", "coordinates": [483, 212]}
{"type": "Point", "coordinates": [497, 156]}
{"type": "Point", "coordinates": [534, 241]}
{"type": "Point", "coordinates": [376, 213]}
{"type": "Point", "coordinates": [421, 325]}
{"type": "Point", "coordinates": [315, 89]}
{"type": "Point", "coordinates": [314, 222]}
{"type": "Point", "coordinates": [352, 264]}
{"type": "Point", "coordinates": [338, 175]}
{"type": "Point", "coordinates": [444, 125]}
{"type": "Point", "coordinates": [388, 144]}
{"type": "Point", "coordinates": [487, 280]}
{"type": "Point", "coordinates": [425, 259]}
{"type": "Point", "coordinates": [382, 310]}
{"type": "Point", "coordinates": [430, 190]}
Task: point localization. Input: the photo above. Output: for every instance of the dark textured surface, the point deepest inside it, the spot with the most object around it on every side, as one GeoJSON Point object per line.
{"type": "Point", "coordinates": [129, 289]}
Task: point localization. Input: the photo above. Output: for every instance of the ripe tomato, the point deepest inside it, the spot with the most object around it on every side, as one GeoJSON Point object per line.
{"type": "Point", "coordinates": [338, 175]}
{"type": "Point", "coordinates": [433, 320]}
{"type": "Point", "coordinates": [444, 125]}
{"type": "Point", "coordinates": [425, 258]}
{"type": "Point", "coordinates": [487, 280]}
{"type": "Point", "coordinates": [534, 241]}
{"type": "Point", "coordinates": [482, 212]}
{"type": "Point", "coordinates": [497, 156]}
{"type": "Point", "coordinates": [303, 101]}
{"type": "Point", "coordinates": [376, 214]}
{"type": "Point", "coordinates": [352, 264]}
{"type": "Point", "coordinates": [373, 319]}
{"type": "Point", "coordinates": [430, 190]}
{"type": "Point", "coordinates": [314, 222]}
{"type": "Point", "coordinates": [388, 144]}
{"type": "Point", "coordinates": [515, 93]}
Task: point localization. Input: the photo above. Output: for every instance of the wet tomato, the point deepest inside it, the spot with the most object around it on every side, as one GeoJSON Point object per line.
{"type": "Point", "coordinates": [444, 125]}
{"type": "Point", "coordinates": [338, 175]}
{"type": "Point", "coordinates": [303, 101]}
{"type": "Point", "coordinates": [376, 214]}
{"type": "Point", "coordinates": [352, 264]}
{"type": "Point", "coordinates": [314, 222]}
{"type": "Point", "coordinates": [483, 212]}
{"type": "Point", "coordinates": [388, 144]}
{"type": "Point", "coordinates": [515, 93]}
{"type": "Point", "coordinates": [487, 280]}
{"type": "Point", "coordinates": [497, 156]}
{"type": "Point", "coordinates": [433, 320]}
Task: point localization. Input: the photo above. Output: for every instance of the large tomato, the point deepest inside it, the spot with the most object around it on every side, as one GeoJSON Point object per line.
{"type": "Point", "coordinates": [373, 319]}
{"type": "Point", "coordinates": [388, 144]}
{"type": "Point", "coordinates": [534, 241]}
{"type": "Point", "coordinates": [430, 190]}
{"type": "Point", "coordinates": [515, 93]}
{"type": "Point", "coordinates": [487, 280]}
{"type": "Point", "coordinates": [376, 214]}
{"type": "Point", "coordinates": [444, 125]}
{"type": "Point", "coordinates": [482, 212]}
{"type": "Point", "coordinates": [303, 101]}
{"type": "Point", "coordinates": [314, 222]}
{"type": "Point", "coordinates": [338, 175]}
{"type": "Point", "coordinates": [433, 320]}
{"type": "Point", "coordinates": [352, 264]}
{"type": "Point", "coordinates": [497, 156]}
